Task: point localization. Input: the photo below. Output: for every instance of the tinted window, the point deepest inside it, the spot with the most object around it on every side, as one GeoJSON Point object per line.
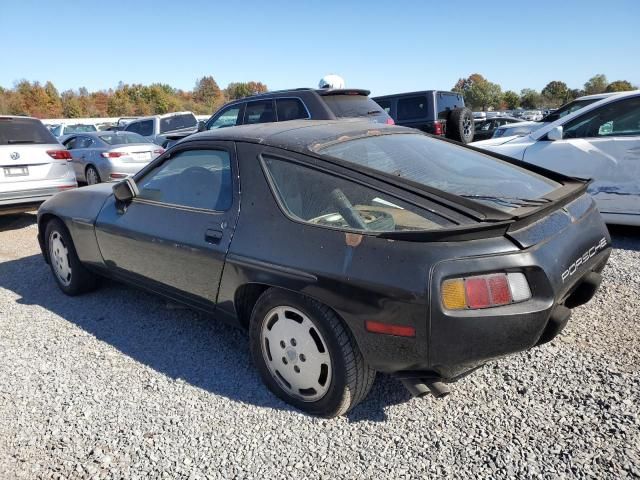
{"type": "Point", "coordinates": [259, 112]}
{"type": "Point", "coordinates": [195, 178]}
{"type": "Point", "coordinates": [14, 131]}
{"type": "Point", "coordinates": [569, 108]}
{"type": "Point", "coordinates": [122, 138]}
{"type": "Point", "coordinates": [445, 102]}
{"type": "Point", "coordinates": [413, 108]}
{"type": "Point", "coordinates": [145, 128]}
{"type": "Point", "coordinates": [70, 144]}
{"type": "Point", "coordinates": [620, 118]}
{"type": "Point", "coordinates": [133, 127]}
{"type": "Point", "coordinates": [177, 122]}
{"type": "Point", "coordinates": [57, 130]}
{"type": "Point", "coordinates": [79, 128]}
{"type": "Point", "coordinates": [446, 167]}
{"type": "Point", "coordinates": [385, 105]}
{"type": "Point", "coordinates": [347, 106]}
{"type": "Point", "coordinates": [290, 109]}
{"type": "Point", "coordinates": [326, 200]}
{"type": "Point", "coordinates": [226, 118]}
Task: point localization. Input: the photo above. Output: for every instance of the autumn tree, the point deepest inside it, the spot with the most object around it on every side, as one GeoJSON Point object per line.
{"type": "Point", "coordinates": [208, 93]}
{"type": "Point", "coordinates": [596, 84]}
{"type": "Point", "coordinates": [619, 86]}
{"type": "Point", "coordinates": [236, 90]}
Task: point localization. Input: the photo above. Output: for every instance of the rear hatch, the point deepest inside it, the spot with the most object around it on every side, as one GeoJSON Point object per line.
{"type": "Point", "coordinates": [354, 104]}
{"type": "Point", "coordinates": [29, 152]}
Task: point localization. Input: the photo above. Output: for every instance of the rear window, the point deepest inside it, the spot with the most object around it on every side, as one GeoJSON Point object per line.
{"type": "Point", "coordinates": [445, 102]}
{"type": "Point", "coordinates": [80, 128]}
{"type": "Point", "coordinates": [413, 108]}
{"type": "Point", "coordinates": [123, 138]}
{"type": "Point", "coordinates": [446, 167]}
{"type": "Point", "coordinates": [16, 131]}
{"type": "Point", "coordinates": [347, 106]}
{"type": "Point", "coordinates": [178, 122]}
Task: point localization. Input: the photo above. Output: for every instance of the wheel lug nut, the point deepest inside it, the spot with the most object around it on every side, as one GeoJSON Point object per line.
{"type": "Point", "coordinates": [303, 358]}
{"type": "Point", "coordinates": [296, 368]}
{"type": "Point", "coordinates": [282, 345]}
{"type": "Point", "coordinates": [284, 360]}
{"type": "Point", "coordinates": [293, 342]}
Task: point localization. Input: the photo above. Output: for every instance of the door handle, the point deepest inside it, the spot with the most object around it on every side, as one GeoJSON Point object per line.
{"type": "Point", "coordinates": [212, 236]}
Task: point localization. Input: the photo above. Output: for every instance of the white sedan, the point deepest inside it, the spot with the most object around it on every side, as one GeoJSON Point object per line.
{"type": "Point", "coordinates": [600, 141]}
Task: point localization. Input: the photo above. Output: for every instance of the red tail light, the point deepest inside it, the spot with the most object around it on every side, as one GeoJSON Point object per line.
{"type": "Point", "coordinates": [390, 121]}
{"type": "Point", "coordinates": [437, 128]}
{"type": "Point", "coordinates": [483, 291]}
{"type": "Point", "coordinates": [59, 154]}
{"type": "Point", "coordinates": [113, 154]}
{"type": "Point", "coordinates": [159, 151]}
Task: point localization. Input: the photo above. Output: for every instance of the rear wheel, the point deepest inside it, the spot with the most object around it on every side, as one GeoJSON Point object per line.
{"type": "Point", "coordinates": [306, 355]}
{"type": "Point", "coordinates": [71, 276]}
{"type": "Point", "coordinates": [460, 125]}
{"type": "Point", "coordinates": [92, 175]}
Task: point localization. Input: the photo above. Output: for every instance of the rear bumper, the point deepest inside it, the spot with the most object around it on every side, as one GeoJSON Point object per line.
{"type": "Point", "coordinates": [117, 171]}
{"type": "Point", "coordinates": [28, 199]}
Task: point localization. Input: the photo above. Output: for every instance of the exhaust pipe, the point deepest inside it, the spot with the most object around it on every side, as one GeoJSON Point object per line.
{"type": "Point", "coordinates": [419, 387]}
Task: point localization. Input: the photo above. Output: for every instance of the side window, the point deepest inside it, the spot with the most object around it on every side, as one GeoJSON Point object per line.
{"type": "Point", "coordinates": [385, 105]}
{"type": "Point", "coordinates": [226, 118]}
{"type": "Point", "coordinates": [620, 118]}
{"type": "Point", "coordinates": [83, 142]}
{"type": "Point", "coordinates": [193, 178]}
{"type": "Point", "coordinates": [133, 127]}
{"type": "Point", "coordinates": [259, 112]}
{"type": "Point", "coordinates": [326, 200]}
{"type": "Point", "coordinates": [484, 126]}
{"type": "Point", "coordinates": [146, 128]}
{"type": "Point", "coordinates": [412, 108]}
{"type": "Point", "coordinates": [71, 143]}
{"type": "Point", "coordinates": [290, 109]}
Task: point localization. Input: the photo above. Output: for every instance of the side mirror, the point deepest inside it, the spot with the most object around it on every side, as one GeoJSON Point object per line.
{"type": "Point", "coordinates": [125, 191]}
{"type": "Point", "coordinates": [555, 134]}
{"type": "Point", "coordinates": [202, 126]}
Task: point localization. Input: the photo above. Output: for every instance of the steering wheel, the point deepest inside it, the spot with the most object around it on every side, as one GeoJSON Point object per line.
{"type": "Point", "coordinates": [347, 211]}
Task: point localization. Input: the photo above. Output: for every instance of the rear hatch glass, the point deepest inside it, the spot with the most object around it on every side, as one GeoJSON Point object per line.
{"type": "Point", "coordinates": [446, 101]}
{"type": "Point", "coordinates": [24, 131]}
{"type": "Point", "coordinates": [350, 105]}
{"type": "Point", "coordinates": [178, 122]}
{"type": "Point", "coordinates": [447, 167]}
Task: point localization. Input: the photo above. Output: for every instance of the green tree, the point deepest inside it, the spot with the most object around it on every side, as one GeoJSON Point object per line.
{"type": "Point", "coordinates": [208, 93]}
{"type": "Point", "coordinates": [555, 93]}
{"type": "Point", "coordinates": [478, 92]}
{"type": "Point", "coordinates": [619, 86]}
{"type": "Point", "coordinates": [71, 107]}
{"type": "Point", "coordinates": [512, 99]}
{"type": "Point", "coordinates": [530, 98]}
{"type": "Point", "coordinates": [596, 84]}
{"type": "Point", "coordinates": [236, 90]}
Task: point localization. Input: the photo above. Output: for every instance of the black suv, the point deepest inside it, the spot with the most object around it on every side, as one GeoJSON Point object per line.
{"type": "Point", "coordinates": [432, 111]}
{"type": "Point", "coordinates": [301, 103]}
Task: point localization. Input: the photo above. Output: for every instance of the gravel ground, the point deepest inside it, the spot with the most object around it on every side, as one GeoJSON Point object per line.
{"type": "Point", "coordinates": [121, 384]}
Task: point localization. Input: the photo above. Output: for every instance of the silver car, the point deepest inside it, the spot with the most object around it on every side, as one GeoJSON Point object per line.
{"type": "Point", "coordinates": [107, 156]}
{"type": "Point", "coordinates": [33, 165]}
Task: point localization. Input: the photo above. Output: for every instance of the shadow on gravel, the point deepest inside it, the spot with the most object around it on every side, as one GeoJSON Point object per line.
{"type": "Point", "coordinates": [625, 237]}
{"type": "Point", "coordinates": [17, 221]}
{"type": "Point", "coordinates": [175, 341]}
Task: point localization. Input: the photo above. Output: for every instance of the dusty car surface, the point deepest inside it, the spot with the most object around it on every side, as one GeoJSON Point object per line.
{"type": "Point", "coordinates": [344, 248]}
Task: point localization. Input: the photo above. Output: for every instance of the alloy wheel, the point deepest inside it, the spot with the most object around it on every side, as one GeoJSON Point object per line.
{"type": "Point", "coordinates": [59, 257]}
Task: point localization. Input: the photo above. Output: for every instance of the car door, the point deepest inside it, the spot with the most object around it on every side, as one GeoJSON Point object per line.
{"type": "Point", "coordinates": [70, 144]}
{"type": "Point", "coordinates": [604, 145]}
{"type": "Point", "coordinates": [175, 234]}
{"type": "Point", "coordinates": [259, 111]}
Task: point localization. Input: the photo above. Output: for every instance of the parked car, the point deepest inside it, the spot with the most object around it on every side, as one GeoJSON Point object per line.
{"type": "Point", "coordinates": [518, 129]}
{"type": "Point", "coordinates": [486, 128]}
{"type": "Point", "coordinates": [296, 104]}
{"type": "Point", "coordinates": [108, 156]}
{"type": "Point", "coordinates": [600, 141]}
{"type": "Point", "coordinates": [532, 116]}
{"type": "Point", "coordinates": [64, 129]}
{"type": "Point", "coordinates": [157, 127]}
{"type": "Point", "coordinates": [343, 249]}
{"type": "Point", "coordinates": [33, 165]}
{"type": "Point", "coordinates": [575, 105]}
{"type": "Point", "coordinates": [432, 111]}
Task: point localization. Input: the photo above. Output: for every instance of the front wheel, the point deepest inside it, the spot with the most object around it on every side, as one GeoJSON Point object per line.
{"type": "Point", "coordinates": [69, 273]}
{"type": "Point", "coordinates": [306, 355]}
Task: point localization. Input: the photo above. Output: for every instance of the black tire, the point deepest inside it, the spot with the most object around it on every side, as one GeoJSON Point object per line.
{"type": "Point", "coordinates": [93, 171]}
{"type": "Point", "coordinates": [351, 377]}
{"type": "Point", "coordinates": [460, 126]}
{"type": "Point", "coordinates": [80, 280]}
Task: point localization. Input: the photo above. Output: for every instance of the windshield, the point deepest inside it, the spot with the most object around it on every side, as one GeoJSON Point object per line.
{"type": "Point", "coordinates": [178, 122]}
{"type": "Point", "coordinates": [446, 167]}
{"type": "Point", "coordinates": [16, 131]}
{"type": "Point", "coordinates": [79, 128]}
{"type": "Point", "coordinates": [569, 108]}
{"type": "Point", "coordinates": [123, 138]}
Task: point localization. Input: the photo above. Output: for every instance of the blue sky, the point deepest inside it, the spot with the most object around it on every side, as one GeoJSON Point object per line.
{"type": "Point", "coordinates": [387, 47]}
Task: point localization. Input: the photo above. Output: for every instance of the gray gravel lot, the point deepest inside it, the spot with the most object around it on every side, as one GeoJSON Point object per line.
{"type": "Point", "coordinates": [121, 384]}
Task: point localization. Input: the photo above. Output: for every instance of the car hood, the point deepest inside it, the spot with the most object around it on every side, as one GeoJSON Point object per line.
{"type": "Point", "coordinates": [517, 139]}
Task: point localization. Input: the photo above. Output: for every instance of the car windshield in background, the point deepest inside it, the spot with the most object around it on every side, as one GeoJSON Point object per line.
{"type": "Point", "coordinates": [446, 167]}
{"type": "Point", "coordinates": [24, 131]}
{"type": "Point", "coordinates": [569, 108]}
{"type": "Point", "coordinates": [123, 138]}
{"type": "Point", "coordinates": [177, 122]}
{"type": "Point", "coordinates": [352, 106]}
{"type": "Point", "coordinates": [80, 128]}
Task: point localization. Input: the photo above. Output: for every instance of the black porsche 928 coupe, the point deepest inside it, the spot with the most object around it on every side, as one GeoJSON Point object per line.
{"type": "Point", "coordinates": [344, 248]}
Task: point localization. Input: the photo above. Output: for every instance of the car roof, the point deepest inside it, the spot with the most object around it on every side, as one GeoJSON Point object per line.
{"type": "Point", "coordinates": [597, 95]}
{"type": "Point", "coordinates": [18, 116]}
{"type": "Point", "coordinates": [163, 115]}
{"type": "Point", "coordinates": [420, 92]}
{"type": "Point", "coordinates": [298, 135]}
